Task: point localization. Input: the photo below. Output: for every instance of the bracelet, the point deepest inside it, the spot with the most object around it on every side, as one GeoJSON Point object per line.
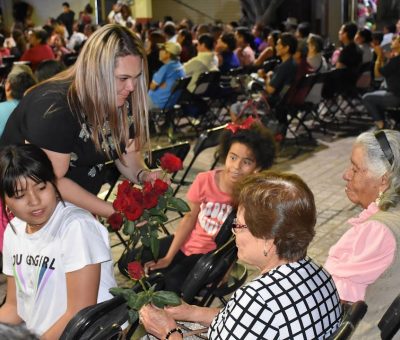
{"type": "Point", "coordinates": [174, 330]}
{"type": "Point", "coordinates": [139, 173]}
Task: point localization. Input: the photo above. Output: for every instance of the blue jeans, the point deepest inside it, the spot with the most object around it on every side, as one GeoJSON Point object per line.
{"type": "Point", "coordinates": [376, 102]}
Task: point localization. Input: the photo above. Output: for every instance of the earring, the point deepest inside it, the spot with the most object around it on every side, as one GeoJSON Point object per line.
{"type": "Point", "coordinates": [265, 252]}
{"type": "Point", "coordinates": [379, 198]}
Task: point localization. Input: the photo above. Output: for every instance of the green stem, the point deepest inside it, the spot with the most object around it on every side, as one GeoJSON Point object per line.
{"type": "Point", "coordinates": [143, 285]}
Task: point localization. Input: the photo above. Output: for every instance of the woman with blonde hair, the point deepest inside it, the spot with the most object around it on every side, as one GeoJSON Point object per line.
{"type": "Point", "coordinates": [88, 115]}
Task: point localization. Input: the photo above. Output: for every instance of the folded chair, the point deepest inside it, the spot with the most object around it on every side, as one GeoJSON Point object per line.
{"type": "Point", "coordinates": [353, 314]}
{"type": "Point", "coordinates": [207, 139]}
{"type": "Point", "coordinates": [390, 321]}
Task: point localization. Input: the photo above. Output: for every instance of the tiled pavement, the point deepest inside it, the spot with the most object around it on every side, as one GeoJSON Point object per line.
{"type": "Point", "coordinates": [322, 170]}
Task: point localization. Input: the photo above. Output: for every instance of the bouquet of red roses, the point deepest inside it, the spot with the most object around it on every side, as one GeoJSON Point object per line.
{"type": "Point", "coordinates": [141, 213]}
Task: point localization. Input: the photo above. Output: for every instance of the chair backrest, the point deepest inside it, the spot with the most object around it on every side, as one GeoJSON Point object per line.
{"type": "Point", "coordinates": [177, 90]}
{"type": "Point", "coordinates": [207, 139]}
{"type": "Point", "coordinates": [209, 271]}
{"type": "Point", "coordinates": [390, 321]}
{"type": "Point", "coordinates": [105, 320]}
{"type": "Point", "coordinates": [206, 82]}
{"type": "Point", "coordinates": [180, 150]}
{"type": "Point", "coordinates": [109, 315]}
{"type": "Point", "coordinates": [352, 316]}
{"type": "Point", "coordinates": [298, 93]}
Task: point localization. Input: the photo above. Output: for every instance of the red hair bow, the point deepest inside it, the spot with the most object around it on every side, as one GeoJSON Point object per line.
{"type": "Point", "coordinates": [234, 127]}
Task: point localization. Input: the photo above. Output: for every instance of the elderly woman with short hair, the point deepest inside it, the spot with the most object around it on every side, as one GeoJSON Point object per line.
{"type": "Point", "coordinates": [293, 298]}
{"type": "Point", "coordinates": [363, 262]}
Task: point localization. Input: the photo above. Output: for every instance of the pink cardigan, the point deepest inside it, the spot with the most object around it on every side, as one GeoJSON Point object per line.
{"type": "Point", "coordinates": [361, 255]}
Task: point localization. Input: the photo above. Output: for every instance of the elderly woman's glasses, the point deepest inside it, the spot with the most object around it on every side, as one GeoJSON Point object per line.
{"type": "Point", "coordinates": [237, 226]}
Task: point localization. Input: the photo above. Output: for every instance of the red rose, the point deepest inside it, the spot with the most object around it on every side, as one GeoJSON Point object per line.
{"type": "Point", "coordinates": [121, 203]}
{"type": "Point", "coordinates": [170, 163]}
{"type": "Point", "coordinates": [134, 210]}
{"type": "Point", "coordinates": [135, 270]}
{"type": "Point", "coordinates": [115, 221]}
{"type": "Point", "coordinates": [147, 187]}
{"type": "Point", "coordinates": [137, 195]}
{"type": "Point", "coordinates": [150, 200]}
{"type": "Point", "coordinates": [124, 187]}
{"type": "Point", "coordinates": [160, 186]}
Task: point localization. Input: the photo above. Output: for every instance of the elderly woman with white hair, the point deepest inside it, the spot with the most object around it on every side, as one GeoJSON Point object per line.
{"type": "Point", "coordinates": [363, 263]}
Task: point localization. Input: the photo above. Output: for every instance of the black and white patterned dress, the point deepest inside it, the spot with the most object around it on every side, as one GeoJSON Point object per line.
{"type": "Point", "coordinates": [293, 301]}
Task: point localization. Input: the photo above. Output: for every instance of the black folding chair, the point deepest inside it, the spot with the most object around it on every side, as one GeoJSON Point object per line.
{"type": "Point", "coordinates": [199, 103]}
{"type": "Point", "coordinates": [353, 314]}
{"type": "Point", "coordinates": [207, 139]}
{"type": "Point", "coordinates": [106, 320]}
{"type": "Point", "coordinates": [102, 321]}
{"type": "Point", "coordinates": [165, 117]}
{"type": "Point", "coordinates": [206, 280]}
{"type": "Point", "coordinates": [389, 324]}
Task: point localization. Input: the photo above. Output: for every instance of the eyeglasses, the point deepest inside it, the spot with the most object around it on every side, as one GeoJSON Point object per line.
{"type": "Point", "coordinates": [237, 226]}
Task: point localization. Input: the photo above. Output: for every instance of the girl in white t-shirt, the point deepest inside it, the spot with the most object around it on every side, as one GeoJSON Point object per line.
{"type": "Point", "coordinates": [56, 256]}
{"type": "Point", "coordinates": [245, 148]}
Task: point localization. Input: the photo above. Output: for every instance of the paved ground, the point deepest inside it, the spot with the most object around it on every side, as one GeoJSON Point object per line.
{"type": "Point", "coordinates": [321, 166]}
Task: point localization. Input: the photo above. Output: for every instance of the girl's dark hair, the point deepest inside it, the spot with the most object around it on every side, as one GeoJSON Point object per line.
{"type": "Point", "coordinates": [26, 161]}
{"type": "Point", "coordinates": [257, 138]}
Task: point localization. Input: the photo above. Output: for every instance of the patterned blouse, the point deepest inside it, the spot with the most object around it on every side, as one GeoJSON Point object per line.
{"type": "Point", "coordinates": [297, 300]}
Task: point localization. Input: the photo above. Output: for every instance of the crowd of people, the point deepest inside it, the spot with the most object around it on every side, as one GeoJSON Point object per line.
{"type": "Point", "coordinates": [61, 123]}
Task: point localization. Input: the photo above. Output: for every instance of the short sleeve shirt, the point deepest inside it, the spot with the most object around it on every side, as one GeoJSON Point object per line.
{"type": "Point", "coordinates": [215, 207]}
{"type": "Point", "coordinates": [45, 119]}
{"type": "Point", "coordinates": [69, 241]}
{"type": "Point", "coordinates": [168, 74]}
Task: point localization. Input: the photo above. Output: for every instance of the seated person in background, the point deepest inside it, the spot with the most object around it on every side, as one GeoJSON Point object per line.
{"type": "Point", "coordinates": [48, 68]}
{"type": "Point", "coordinates": [39, 49]}
{"type": "Point", "coordinates": [4, 51]}
{"type": "Point", "coordinates": [315, 59]}
{"type": "Point", "coordinates": [347, 64]}
{"type": "Point", "coordinates": [302, 32]}
{"type": "Point", "coordinates": [363, 39]}
{"type": "Point", "coordinates": [18, 81]}
{"type": "Point", "coordinates": [350, 56]}
{"type": "Point", "coordinates": [284, 74]}
{"type": "Point", "coordinates": [364, 263]}
{"type": "Point", "coordinates": [205, 61]}
{"type": "Point", "coordinates": [185, 39]}
{"type": "Point", "coordinates": [165, 77]}
{"type": "Point", "coordinates": [245, 46]}
{"type": "Point", "coordinates": [293, 297]}
{"type": "Point", "coordinates": [225, 47]}
{"type": "Point", "coordinates": [67, 244]}
{"type": "Point", "coordinates": [281, 78]}
{"type": "Point", "coordinates": [270, 51]}
{"type": "Point", "coordinates": [245, 150]}
{"type": "Point", "coordinates": [375, 102]}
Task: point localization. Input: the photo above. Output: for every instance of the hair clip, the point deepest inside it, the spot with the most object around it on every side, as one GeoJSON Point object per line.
{"type": "Point", "coordinates": [234, 127]}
